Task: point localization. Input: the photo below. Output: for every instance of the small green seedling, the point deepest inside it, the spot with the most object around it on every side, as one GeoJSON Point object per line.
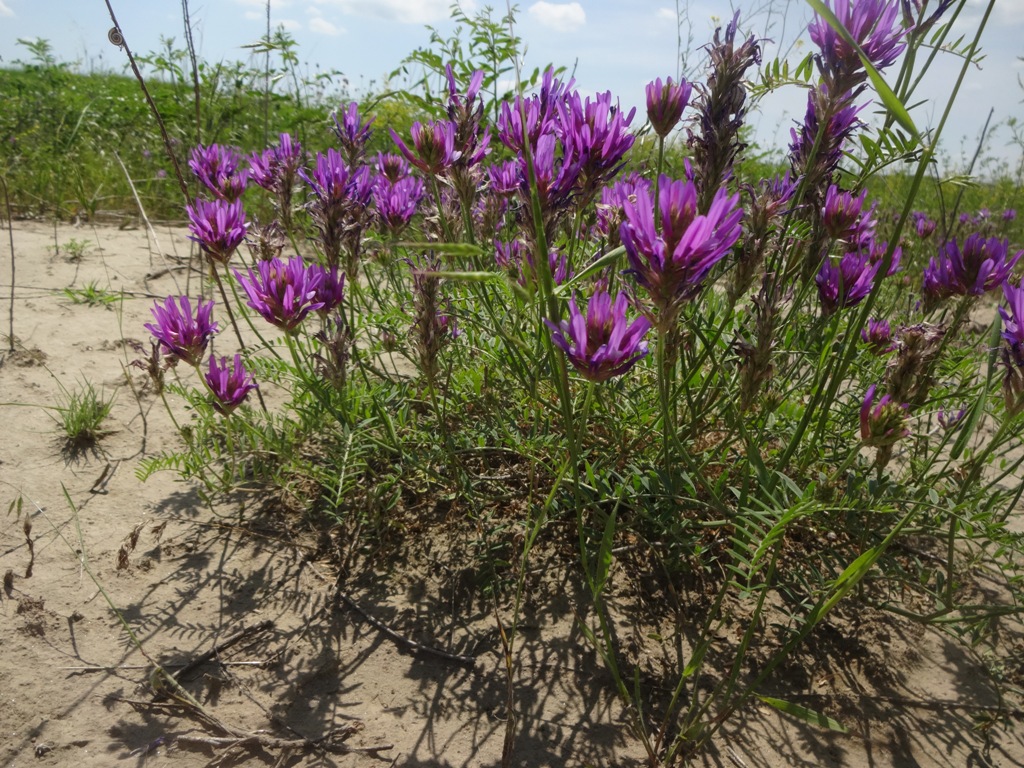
{"type": "Point", "coordinates": [92, 295]}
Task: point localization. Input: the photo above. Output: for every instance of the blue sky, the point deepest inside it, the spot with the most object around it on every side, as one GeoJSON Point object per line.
{"type": "Point", "coordinates": [616, 45]}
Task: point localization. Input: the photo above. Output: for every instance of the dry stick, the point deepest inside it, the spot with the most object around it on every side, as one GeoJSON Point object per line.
{"type": "Point", "coordinates": [10, 235]}
{"type": "Point", "coordinates": [236, 638]}
{"type": "Point", "coordinates": [234, 323]}
{"type": "Point", "coordinates": [149, 227]}
{"type": "Point", "coordinates": [116, 36]}
{"type": "Point", "coordinates": [190, 44]}
{"type": "Point", "coordinates": [412, 645]}
{"type": "Point", "coordinates": [266, 85]}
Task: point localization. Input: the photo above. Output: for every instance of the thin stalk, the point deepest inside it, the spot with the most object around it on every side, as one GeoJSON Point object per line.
{"type": "Point", "coordinates": [190, 44]}
{"type": "Point", "coordinates": [10, 237]}
{"type": "Point", "coordinates": [234, 324]}
{"type": "Point", "coordinates": [152, 107]}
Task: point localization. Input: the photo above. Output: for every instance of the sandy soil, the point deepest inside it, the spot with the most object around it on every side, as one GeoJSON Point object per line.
{"type": "Point", "coordinates": [186, 577]}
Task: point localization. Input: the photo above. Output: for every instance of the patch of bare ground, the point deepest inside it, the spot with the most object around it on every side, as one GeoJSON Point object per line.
{"type": "Point", "coordinates": [326, 647]}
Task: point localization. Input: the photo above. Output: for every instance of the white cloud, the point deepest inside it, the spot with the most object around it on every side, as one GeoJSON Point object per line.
{"type": "Point", "coordinates": [667, 14]}
{"type": "Point", "coordinates": [406, 11]}
{"type": "Point", "coordinates": [324, 27]}
{"type": "Point", "coordinates": [562, 17]}
{"type": "Point", "coordinates": [5, 9]}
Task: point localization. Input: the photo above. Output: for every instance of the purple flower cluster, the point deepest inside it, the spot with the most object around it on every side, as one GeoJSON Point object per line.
{"type": "Point", "coordinates": [219, 170]}
{"type": "Point", "coordinates": [884, 422]}
{"type": "Point", "coordinates": [603, 343]}
{"type": "Point", "coordinates": [433, 146]}
{"type": "Point", "coordinates": [979, 266]}
{"type": "Point", "coordinates": [873, 24]}
{"type": "Point", "coordinates": [671, 261]}
{"type": "Point", "coordinates": [275, 168]}
{"type": "Point", "coordinates": [1013, 347]}
{"type": "Point", "coordinates": [285, 293]}
{"type": "Point", "coordinates": [183, 335]}
{"type": "Point", "coordinates": [339, 201]}
{"type": "Point", "coordinates": [721, 108]}
{"type": "Point", "coordinates": [923, 226]}
{"type": "Point", "coordinates": [397, 201]}
{"type": "Point", "coordinates": [218, 227]}
{"type": "Point", "coordinates": [846, 282]}
{"type": "Point", "coordinates": [230, 383]}
{"type": "Point", "coordinates": [352, 133]}
{"type": "Point", "coordinates": [878, 336]}
{"type": "Point", "coordinates": [665, 104]}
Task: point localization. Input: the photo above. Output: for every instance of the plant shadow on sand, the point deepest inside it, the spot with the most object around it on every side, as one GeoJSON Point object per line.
{"type": "Point", "coordinates": [323, 665]}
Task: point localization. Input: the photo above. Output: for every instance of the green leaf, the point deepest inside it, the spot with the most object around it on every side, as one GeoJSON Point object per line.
{"type": "Point", "coordinates": [466, 277]}
{"type": "Point", "coordinates": [608, 259]}
{"type": "Point", "coordinates": [803, 713]}
{"type": "Point", "coordinates": [455, 249]}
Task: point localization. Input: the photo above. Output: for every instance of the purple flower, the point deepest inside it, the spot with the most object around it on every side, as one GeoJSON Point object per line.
{"type": "Point", "coordinates": [950, 420]}
{"type": "Point", "coordinates": [219, 170]}
{"type": "Point", "coordinates": [332, 289]}
{"type": "Point", "coordinates": [884, 422]}
{"type": "Point", "coordinates": [665, 104]}
{"type": "Point", "coordinates": [878, 336]}
{"type": "Point", "coordinates": [455, 102]}
{"type": "Point", "coordinates": [433, 146]}
{"type": "Point", "coordinates": [1009, 214]}
{"type": "Point", "coordinates": [283, 293]}
{"type": "Point", "coordinates": [598, 133]}
{"type": "Point", "coordinates": [672, 264]}
{"type": "Point", "coordinates": [217, 226]}
{"type": "Point", "coordinates": [873, 24]}
{"type": "Point", "coordinates": [923, 225]}
{"type": "Point", "coordinates": [841, 213]}
{"type": "Point", "coordinates": [540, 111]}
{"type": "Point", "coordinates": [610, 210]}
{"type": "Point", "coordinates": [392, 167]}
{"type": "Point", "coordinates": [352, 132]}
{"type": "Point", "coordinates": [1013, 321]}
{"type": "Point", "coordinates": [842, 123]}
{"type": "Point", "coordinates": [505, 178]}
{"type": "Point", "coordinates": [556, 176]}
{"type": "Point", "coordinates": [979, 267]}
{"type": "Point", "coordinates": [183, 336]}
{"type": "Point", "coordinates": [329, 180]}
{"type": "Point", "coordinates": [876, 250]}
{"type": "Point", "coordinates": [230, 384]}
{"type": "Point", "coordinates": [1013, 349]}
{"type": "Point", "coordinates": [397, 201]}
{"type": "Point", "coordinates": [274, 169]}
{"type": "Point", "coordinates": [602, 344]}
{"type": "Point", "coordinates": [846, 283]}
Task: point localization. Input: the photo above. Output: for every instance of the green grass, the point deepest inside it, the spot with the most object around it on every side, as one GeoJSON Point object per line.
{"type": "Point", "coordinates": [82, 412]}
{"type": "Point", "coordinates": [91, 295]}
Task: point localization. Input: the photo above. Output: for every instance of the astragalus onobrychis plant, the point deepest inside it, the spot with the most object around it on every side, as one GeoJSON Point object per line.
{"type": "Point", "coordinates": [727, 368]}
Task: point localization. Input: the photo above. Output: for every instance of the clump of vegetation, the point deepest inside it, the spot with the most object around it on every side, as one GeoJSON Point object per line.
{"type": "Point", "coordinates": [92, 295]}
{"type": "Point", "coordinates": [82, 412]}
{"type": "Point", "coordinates": [766, 380]}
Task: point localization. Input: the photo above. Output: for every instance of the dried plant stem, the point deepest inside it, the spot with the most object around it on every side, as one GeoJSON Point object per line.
{"type": "Point", "coordinates": [149, 227]}
{"type": "Point", "coordinates": [412, 645]}
{"type": "Point", "coordinates": [234, 323]}
{"type": "Point", "coordinates": [10, 236]}
{"type": "Point", "coordinates": [190, 44]}
{"type": "Point", "coordinates": [152, 106]}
